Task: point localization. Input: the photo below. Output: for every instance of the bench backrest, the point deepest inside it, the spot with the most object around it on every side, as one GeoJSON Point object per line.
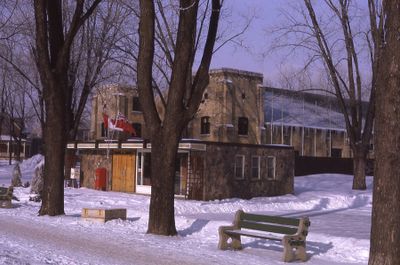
{"type": "Point", "coordinates": [6, 192]}
{"type": "Point", "coordinates": [273, 224]}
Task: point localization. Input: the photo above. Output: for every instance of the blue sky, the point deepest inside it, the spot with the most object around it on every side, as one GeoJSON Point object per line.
{"type": "Point", "coordinates": [267, 15]}
{"type": "Point", "coordinates": [256, 39]}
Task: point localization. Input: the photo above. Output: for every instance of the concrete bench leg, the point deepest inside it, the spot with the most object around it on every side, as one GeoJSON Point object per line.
{"type": "Point", "coordinates": [236, 242]}
{"type": "Point", "coordinates": [301, 253]}
{"type": "Point", "coordinates": [293, 252]}
{"type": "Point", "coordinates": [288, 254]}
{"type": "Point", "coordinates": [223, 239]}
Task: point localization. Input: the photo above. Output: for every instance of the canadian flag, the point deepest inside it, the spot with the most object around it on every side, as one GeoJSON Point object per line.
{"type": "Point", "coordinates": [120, 124]}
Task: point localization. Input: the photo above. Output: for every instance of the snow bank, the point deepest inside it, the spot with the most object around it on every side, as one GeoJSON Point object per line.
{"type": "Point", "coordinates": [339, 232]}
{"type": "Point", "coordinates": [32, 163]}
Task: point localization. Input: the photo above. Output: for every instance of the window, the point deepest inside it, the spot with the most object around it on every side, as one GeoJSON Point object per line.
{"type": "Point", "coordinates": [136, 104]}
{"type": "Point", "coordinates": [239, 167]}
{"type": "Point", "coordinates": [3, 148]}
{"type": "Point", "coordinates": [255, 167]}
{"type": "Point", "coordinates": [205, 125]}
{"type": "Point", "coordinates": [125, 106]}
{"type": "Point", "coordinates": [104, 131]}
{"type": "Point", "coordinates": [138, 129]}
{"type": "Point", "coordinates": [243, 126]}
{"type": "Point", "coordinates": [286, 135]}
{"type": "Point", "coordinates": [271, 167]}
{"type": "Point", "coordinates": [336, 152]}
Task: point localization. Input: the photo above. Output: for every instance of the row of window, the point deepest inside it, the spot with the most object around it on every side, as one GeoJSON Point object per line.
{"type": "Point", "coordinates": [256, 171]}
{"type": "Point", "coordinates": [243, 125]}
{"type": "Point", "coordinates": [136, 106]}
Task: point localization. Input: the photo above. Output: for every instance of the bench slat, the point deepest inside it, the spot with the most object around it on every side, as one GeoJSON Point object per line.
{"type": "Point", "coordinates": [3, 191]}
{"type": "Point", "coordinates": [270, 219]}
{"type": "Point", "coordinates": [268, 228]}
{"type": "Point", "coordinates": [252, 234]}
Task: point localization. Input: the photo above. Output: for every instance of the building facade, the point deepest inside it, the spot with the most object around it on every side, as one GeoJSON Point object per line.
{"type": "Point", "coordinates": [204, 170]}
{"type": "Point", "coordinates": [13, 141]}
{"type": "Point", "coordinates": [222, 153]}
{"type": "Point", "coordinates": [113, 100]}
{"type": "Point", "coordinates": [231, 110]}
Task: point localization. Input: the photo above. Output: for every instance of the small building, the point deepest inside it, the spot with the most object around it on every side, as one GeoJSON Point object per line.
{"type": "Point", "coordinates": [13, 139]}
{"type": "Point", "coordinates": [10, 147]}
{"type": "Point", "coordinates": [204, 170]}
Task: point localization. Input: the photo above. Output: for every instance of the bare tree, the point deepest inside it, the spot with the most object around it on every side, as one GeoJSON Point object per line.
{"type": "Point", "coordinates": [184, 97]}
{"type": "Point", "coordinates": [342, 62]}
{"type": "Point", "coordinates": [19, 112]}
{"type": "Point", "coordinates": [54, 38]}
{"type": "Point", "coordinates": [92, 51]}
{"type": "Point", "coordinates": [385, 230]}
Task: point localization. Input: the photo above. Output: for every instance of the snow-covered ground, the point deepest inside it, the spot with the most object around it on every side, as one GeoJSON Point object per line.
{"type": "Point", "coordinates": [339, 232]}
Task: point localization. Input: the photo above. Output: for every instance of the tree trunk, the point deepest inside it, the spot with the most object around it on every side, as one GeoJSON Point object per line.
{"type": "Point", "coordinates": [55, 141]}
{"type": "Point", "coordinates": [161, 216]}
{"type": "Point", "coordinates": [359, 165]}
{"type": "Point", "coordinates": [18, 148]}
{"type": "Point", "coordinates": [385, 229]}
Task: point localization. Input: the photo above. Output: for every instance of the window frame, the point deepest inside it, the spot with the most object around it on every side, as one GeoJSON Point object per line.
{"type": "Point", "coordinates": [242, 167]}
{"type": "Point", "coordinates": [136, 106]}
{"type": "Point", "coordinates": [205, 125]}
{"type": "Point", "coordinates": [258, 167]}
{"type": "Point", "coordinates": [138, 128]}
{"type": "Point", "coordinates": [103, 130]}
{"type": "Point", "coordinates": [243, 131]}
{"type": "Point", "coordinates": [268, 167]}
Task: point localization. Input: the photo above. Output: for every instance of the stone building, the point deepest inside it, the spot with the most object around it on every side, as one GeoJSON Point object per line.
{"type": "Point", "coordinates": [204, 170]}
{"type": "Point", "coordinates": [113, 100]}
{"type": "Point", "coordinates": [231, 110]}
{"type": "Point", "coordinates": [222, 153]}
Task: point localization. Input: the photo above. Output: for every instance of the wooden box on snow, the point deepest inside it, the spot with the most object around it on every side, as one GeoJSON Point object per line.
{"type": "Point", "coordinates": [103, 215]}
{"type": "Point", "coordinates": [5, 204]}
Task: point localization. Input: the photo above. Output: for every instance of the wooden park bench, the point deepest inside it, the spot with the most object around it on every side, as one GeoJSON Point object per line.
{"type": "Point", "coordinates": [294, 233]}
{"type": "Point", "coordinates": [6, 195]}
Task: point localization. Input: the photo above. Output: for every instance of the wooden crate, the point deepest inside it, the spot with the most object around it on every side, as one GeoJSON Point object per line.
{"type": "Point", "coordinates": [103, 215]}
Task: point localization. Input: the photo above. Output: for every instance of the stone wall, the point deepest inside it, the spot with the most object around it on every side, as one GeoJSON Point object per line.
{"type": "Point", "coordinates": [90, 160]}
{"type": "Point", "coordinates": [220, 182]}
{"type": "Point", "coordinates": [231, 94]}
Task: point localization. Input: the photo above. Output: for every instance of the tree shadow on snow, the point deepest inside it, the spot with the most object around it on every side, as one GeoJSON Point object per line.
{"type": "Point", "coordinates": [322, 207]}
{"type": "Point", "coordinates": [313, 248]}
{"type": "Point", "coordinates": [14, 206]}
{"type": "Point", "coordinates": [132, 219]}
{"type": "Point", "coordinates": [196, 226]}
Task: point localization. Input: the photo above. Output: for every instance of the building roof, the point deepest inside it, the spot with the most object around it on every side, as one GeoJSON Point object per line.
{"type": "Point", "coordinates": [4, 138]}
{"type": "Point", "coordinates": [294, 108]}
{"type": "Point", "coordinates": [235, 72]}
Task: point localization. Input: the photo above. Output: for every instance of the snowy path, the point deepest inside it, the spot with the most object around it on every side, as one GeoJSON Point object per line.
{"type": "Point", "coordinates": [88, 248]}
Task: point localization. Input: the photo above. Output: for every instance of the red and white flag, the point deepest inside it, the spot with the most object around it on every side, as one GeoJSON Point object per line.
{"type": "Point", "coordinates": [120, 124]}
